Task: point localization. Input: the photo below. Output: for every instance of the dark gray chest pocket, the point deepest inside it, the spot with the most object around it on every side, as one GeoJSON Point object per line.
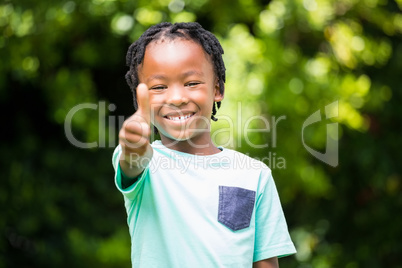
{"type": "Point", "coordinates": [235, 207]}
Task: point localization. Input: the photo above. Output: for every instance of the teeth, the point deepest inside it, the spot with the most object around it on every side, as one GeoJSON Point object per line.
{"type": "Point", "coordinates": [178, 118]}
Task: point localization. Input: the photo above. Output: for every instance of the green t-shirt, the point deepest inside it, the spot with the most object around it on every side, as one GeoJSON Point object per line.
{"type": "Point", "coordinates": [220, 210]}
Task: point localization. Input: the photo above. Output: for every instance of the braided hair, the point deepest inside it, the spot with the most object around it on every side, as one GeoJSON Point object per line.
{"type": "Point", "coordinates": [191, 31]}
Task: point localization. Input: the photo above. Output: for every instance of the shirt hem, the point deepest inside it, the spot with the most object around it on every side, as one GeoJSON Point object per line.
{"type": "Point", "coordinates": [279, 251]}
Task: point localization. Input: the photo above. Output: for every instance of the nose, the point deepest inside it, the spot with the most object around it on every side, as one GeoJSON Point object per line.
{"type": "Point", "coordinates": [176, 95]}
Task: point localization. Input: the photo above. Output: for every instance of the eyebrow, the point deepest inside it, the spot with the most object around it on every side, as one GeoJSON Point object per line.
{"type": "Point", "coordinates": [192, 72]}
{"type": "Point", "coordinates": [156, 77]}
{"type": "Point", "coordinates": [162, 77]}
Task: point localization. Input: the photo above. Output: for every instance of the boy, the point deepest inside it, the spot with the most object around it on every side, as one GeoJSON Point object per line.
{"type": "Point", "coordinates": [188, 203]}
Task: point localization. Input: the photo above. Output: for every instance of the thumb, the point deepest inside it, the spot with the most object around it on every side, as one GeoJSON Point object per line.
{"type": "Point", "coordinates": [144, 109]}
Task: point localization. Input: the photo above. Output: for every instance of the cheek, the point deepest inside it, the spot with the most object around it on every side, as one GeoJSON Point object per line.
{"type": "Point", "coordinates": [203, 96]}
{"type": "Point", "coordinates": [154, 106]}
{"type": "Point", "coordinates": [156, 98]}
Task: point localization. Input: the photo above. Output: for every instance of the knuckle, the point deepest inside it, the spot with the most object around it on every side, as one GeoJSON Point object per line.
{"type": "Point", "coordinates": [122, 134]}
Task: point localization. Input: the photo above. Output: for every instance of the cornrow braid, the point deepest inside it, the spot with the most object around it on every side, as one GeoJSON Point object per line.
{"type": "Point", "coordinates": [187, 30]}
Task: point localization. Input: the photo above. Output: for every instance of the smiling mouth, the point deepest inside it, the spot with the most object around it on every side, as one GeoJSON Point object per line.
{"type": "Point", "coordinates": [179, 117]}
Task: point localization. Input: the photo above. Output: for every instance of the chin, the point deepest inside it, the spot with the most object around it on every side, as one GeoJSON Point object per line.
{"type": "Point", "coordinates": [179, 137]}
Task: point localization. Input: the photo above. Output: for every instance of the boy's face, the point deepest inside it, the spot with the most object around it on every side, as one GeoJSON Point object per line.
{"type": "Point", "coordinates": [182, 90]}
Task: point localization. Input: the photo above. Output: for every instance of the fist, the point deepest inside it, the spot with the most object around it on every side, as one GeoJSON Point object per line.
{"type": "Point", "coordinates": [135, 132]}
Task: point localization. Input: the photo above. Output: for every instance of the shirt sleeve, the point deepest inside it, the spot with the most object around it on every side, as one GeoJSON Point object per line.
{"type": "Point", "coordinates": [272, 237]}
{"type": "Point", "coordinates": [131, 191]}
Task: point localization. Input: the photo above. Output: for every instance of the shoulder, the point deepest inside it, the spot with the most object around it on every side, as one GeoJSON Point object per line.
{"type": "Point", "coordinates": [246, 161]}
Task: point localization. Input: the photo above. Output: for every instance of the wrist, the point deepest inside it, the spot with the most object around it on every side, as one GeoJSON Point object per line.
{"type": "Point", "coordinates": [132, 164]}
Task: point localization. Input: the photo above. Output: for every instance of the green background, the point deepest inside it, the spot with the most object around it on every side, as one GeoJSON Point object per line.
{"type": "Point", "coordinates": [285, 60]}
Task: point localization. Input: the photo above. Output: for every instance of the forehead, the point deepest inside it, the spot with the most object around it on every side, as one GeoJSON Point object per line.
{"type": "Point", "coordinates": [170, 53]}
{"type": "Point", "coordinates": [171, 44]}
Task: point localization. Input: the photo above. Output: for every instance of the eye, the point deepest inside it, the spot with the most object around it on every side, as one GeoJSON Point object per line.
{"type": "Point", "coordinates": [192, 84]}
{"type": "Point", "coordinates": [158, 87]}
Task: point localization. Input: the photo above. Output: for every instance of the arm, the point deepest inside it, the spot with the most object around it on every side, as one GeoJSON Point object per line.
{"type": "Point", "coordinates": [133, 137]}
{"type": "Point", "coordinates": [132, 164]}
{"type": "Point", "coordinates": [272, 236]}
{"type": "Point", "coordinates": [268, 263]}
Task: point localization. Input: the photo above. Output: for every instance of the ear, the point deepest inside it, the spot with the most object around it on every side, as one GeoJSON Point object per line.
{"type": "Point", "coordinates": [218, 95]}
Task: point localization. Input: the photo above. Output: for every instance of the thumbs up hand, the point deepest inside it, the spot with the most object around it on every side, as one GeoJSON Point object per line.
{"type": "Point", "coordinates": [144, 109]}
{"type": "Point", "coordinates": [134, 136]}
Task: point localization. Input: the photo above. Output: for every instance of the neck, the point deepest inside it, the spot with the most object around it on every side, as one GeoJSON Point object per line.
{"type": "Point", "coordinates": [199, 147]}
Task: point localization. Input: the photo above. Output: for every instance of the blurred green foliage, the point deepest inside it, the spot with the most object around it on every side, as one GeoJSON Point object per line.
{"type": "Point", "coordinates": [285, 60]}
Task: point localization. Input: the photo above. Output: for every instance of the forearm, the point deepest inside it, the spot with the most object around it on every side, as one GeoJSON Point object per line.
{"type": "Point", "coordinates": [133, 164]}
